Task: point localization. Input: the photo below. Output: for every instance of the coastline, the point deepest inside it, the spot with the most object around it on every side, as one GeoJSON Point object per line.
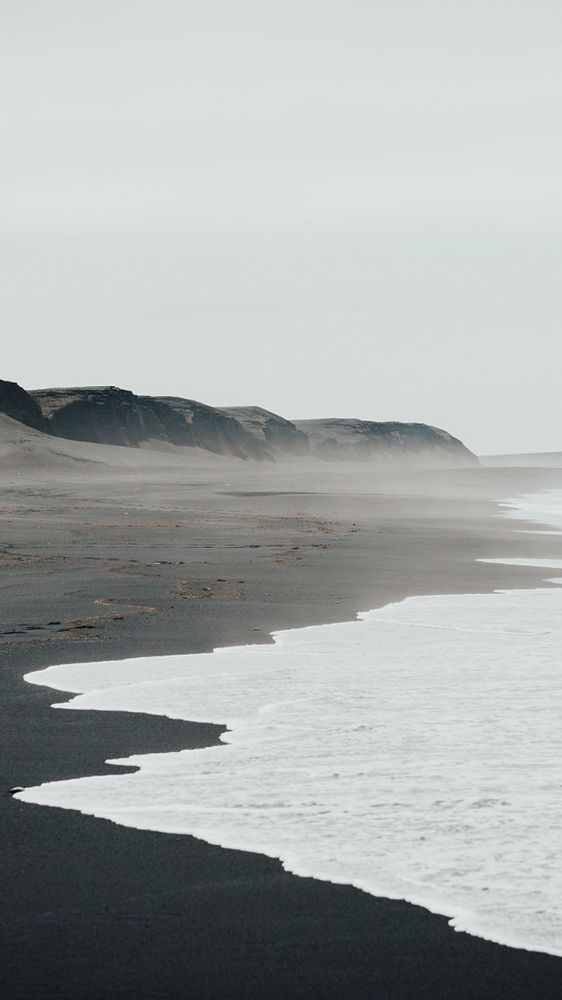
{"type": "Point", "coordinates": [292, 937]}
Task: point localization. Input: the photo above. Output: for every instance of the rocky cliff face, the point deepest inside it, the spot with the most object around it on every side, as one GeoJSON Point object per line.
{"type": "Point", "coordinates": [15, 402]}
{"type": "Point", "coordinates": [216, 430]}
{"type": "Point", "coordinates": [109, 415]}
{"type": "Point", "coordinates": [278, 435]}
{"type": "Point", "coordinates": [365, 440]}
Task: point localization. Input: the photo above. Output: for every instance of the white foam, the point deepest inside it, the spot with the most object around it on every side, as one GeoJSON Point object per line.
{"type": "Point", "coordinates": [538, 563]}
{"type": "Point", "coordinates": [415, 753]}
{"type": "Point", "coordinates": [543, 508]}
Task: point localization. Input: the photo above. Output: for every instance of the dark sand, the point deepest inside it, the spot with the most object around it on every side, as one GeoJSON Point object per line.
{"type": "Point", "coordinates": [101, 562]}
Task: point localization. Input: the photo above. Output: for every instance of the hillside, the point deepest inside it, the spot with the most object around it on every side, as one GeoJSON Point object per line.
{"type": "Point", "coordinates": [276, 433]}
{"type": "Point", "coordinates": [15, 402]}
{"type": "Point", "coordinates": [108, 415]}
{"type": "Point", "coordinates": [338, 439]}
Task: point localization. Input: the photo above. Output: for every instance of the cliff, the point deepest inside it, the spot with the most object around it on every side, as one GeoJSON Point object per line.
{"type": "Point", "coordinates": [15, 402]}
{"type": "Point", "coordinates": [216, 430]}
{"type": "Point", "coordinates": [277, 434]}
{"type": "Point", "coordinates": [339, 439]}
{"type": "Point", "coordinates": [109, 415]}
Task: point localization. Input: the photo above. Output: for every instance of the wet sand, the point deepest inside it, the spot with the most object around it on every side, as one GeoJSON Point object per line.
{"type": "Point", "coordinates": [110, 562]}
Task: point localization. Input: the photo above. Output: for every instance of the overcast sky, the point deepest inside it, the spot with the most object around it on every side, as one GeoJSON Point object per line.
{"type": "Point", "coordinates": [324, 207]}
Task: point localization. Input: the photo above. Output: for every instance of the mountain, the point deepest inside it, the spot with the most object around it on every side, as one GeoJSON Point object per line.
{"type": "Point", "coordinates": [108, 415]}
{"type": "Point", "coordinates": [15, 402]}
{"type": "Point", "coordinates": [275, 432]}
{"type": "Point", "coordinates": [216, 430]}
{"type": "Point", "coordinates": [339, 439]}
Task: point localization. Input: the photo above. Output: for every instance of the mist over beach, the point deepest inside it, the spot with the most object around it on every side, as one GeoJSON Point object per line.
{"type": "Point", "coordinates": [281, 501]}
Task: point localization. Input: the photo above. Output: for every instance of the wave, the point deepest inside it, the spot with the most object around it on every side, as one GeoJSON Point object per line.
{"type": "Point", "coordinates": [414, 753]}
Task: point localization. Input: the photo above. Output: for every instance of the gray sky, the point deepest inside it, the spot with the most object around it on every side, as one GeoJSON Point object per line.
{"type": "Point", "coordinates": [336, 208]}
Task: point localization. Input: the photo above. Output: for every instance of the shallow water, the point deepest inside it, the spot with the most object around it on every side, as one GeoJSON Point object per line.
{"type": "Point", "coordinates": [415, 753]}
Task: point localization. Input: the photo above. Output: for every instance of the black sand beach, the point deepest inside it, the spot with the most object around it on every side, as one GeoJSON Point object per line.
{"type": "Point", "coordinates": [112, 563]}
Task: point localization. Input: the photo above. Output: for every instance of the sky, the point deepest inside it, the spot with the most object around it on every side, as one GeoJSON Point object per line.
{"type": "Point", "coordinates": [340, 208]}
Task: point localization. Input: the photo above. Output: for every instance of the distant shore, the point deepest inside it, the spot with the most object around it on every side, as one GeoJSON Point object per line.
{"type": "Point", "coordinates": [123, 565]}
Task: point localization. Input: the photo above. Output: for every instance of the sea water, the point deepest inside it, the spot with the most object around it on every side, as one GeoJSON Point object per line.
{"type": "Point", "coordinates": [415, 753]}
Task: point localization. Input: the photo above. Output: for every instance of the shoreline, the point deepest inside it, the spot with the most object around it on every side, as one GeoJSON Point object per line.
{"type": "Point", "coordinates": [92, 691]}
{"type": "Point", "coordinates": [331, 920]}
